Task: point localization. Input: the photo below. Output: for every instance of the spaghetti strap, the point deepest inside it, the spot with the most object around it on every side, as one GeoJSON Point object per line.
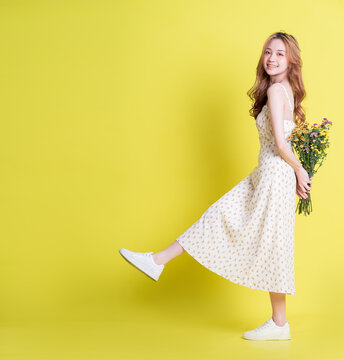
{"type": "Point", "coordinates": [291, 109]}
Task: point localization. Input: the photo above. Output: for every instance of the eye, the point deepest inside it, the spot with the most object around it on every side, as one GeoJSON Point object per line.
{"type": "Point", "coordinates": [281, 54]}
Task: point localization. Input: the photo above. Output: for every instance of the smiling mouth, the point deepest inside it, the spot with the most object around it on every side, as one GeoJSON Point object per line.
{"type": "Point", "coordinates": [271, 66]}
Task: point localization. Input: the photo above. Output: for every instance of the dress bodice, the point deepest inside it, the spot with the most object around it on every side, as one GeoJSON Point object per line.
{"type": "Point", "coordinates": [268, 149]}
{"type": "Point", "coordinates": [264, 125]}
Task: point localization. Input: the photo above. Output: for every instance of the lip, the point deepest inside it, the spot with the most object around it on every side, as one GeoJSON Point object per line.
{"type": "Point", "coordinates": [271, 65]}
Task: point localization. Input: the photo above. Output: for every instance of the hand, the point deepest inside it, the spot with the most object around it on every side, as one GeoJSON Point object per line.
{"type": "Point", "coordinates": [304, 183]}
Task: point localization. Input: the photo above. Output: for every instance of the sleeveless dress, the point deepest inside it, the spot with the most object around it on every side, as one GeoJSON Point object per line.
{"type": "Point", "coordinates": [247, 236]}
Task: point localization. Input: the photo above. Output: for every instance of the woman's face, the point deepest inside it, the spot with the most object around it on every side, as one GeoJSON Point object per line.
{"type": "Point", "coordinates": [275, 59]}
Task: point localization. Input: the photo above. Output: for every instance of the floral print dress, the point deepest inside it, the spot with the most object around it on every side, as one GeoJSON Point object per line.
{"type": "Point", "coordinates": [247, 236]}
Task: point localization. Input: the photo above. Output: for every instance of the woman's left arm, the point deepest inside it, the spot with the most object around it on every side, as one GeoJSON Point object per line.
{"type": "Point", "coordinates": [275, 105]}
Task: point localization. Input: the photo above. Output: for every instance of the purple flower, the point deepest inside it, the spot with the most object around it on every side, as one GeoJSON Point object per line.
{"type": "Point", "coordinates": [313, 134]}
{"type": "Point", "coordinates": [314, 140]}
{"type": "Point", "coordinates": [307, 149]}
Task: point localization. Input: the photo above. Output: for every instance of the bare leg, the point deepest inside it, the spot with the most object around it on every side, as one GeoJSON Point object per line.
{"type": "Point", "coordinates": [278, 308]}
{"type": "Point", "coordinates": [172, 251]}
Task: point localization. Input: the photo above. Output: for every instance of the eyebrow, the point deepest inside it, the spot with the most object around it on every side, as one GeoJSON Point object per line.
{"type": "Point", "coordinates": [277, 49]}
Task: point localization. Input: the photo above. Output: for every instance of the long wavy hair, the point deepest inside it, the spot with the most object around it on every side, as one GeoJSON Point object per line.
{"type": "Point", "coordinates": [258, 91]}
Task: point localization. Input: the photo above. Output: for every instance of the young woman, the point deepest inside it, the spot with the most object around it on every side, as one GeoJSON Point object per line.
{"type": "Point", "coordinates": [247, 236]}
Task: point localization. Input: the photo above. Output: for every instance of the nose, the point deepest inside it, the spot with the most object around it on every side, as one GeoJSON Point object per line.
{"type": "Point", "coordinates": [272, 57]}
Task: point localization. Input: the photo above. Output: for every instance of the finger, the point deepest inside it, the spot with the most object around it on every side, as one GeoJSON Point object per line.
{"type": "Point", "coordinates": [303, 195]}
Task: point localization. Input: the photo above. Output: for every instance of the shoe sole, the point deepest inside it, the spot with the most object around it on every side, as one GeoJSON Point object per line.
{"type": "Point", "coordinates": [266, 339]}
{"type": "Point", "coordinates": [136, 266]}
{"type": "Point", "coordinates": [281, 338]}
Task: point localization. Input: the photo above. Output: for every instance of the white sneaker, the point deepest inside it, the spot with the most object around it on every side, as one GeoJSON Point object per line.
{"type": "Point", "coordinates": [269, 331]}
{"type": "Point", "coordinates": [143, 262]}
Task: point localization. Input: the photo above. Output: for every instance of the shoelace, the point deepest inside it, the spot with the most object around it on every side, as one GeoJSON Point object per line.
{"type": "Point", "coordinates": [265, 325]}
{"type": "Point", "coordinates": [148, 254]}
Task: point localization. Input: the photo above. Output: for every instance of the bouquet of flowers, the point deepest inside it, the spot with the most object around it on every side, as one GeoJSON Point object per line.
{"type": "Point", "coordinates": [311, 144]}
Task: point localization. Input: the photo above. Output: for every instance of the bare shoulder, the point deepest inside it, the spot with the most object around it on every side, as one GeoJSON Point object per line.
{"type": "Point", "coordinates": [275, 95]}
{"type": "Point", "coordinates": [274, 89]}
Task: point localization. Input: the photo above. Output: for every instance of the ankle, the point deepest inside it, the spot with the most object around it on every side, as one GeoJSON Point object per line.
{"type": "Point", "coordinates": [157, 259]}
{"type": "Point", "coordinates": [279, 321]}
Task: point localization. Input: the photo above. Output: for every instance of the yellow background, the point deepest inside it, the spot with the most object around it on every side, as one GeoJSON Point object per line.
{"type": "Point", "coordinates": [121, 123]}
